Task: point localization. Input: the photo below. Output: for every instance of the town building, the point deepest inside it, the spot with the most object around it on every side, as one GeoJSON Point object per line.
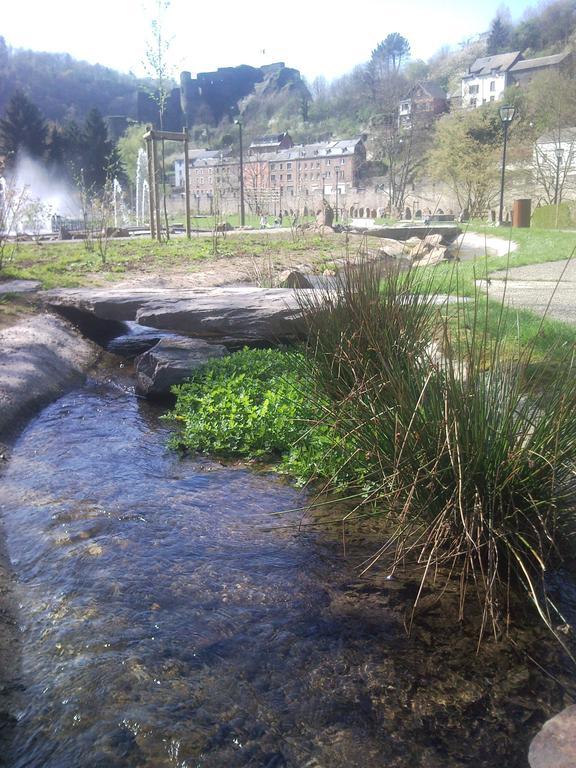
{"type": "Point", "coordinates": [285, 179]}
{"type": "Point", "coordinates": [270, 143]}
{"type": "Point", "coordinates": [489, 76]}
{"type": "Point", "coordinates": [424, 103]}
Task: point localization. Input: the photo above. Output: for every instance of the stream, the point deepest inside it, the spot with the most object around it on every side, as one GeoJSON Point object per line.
{"type": "Point", "coordinates": [168, 619]}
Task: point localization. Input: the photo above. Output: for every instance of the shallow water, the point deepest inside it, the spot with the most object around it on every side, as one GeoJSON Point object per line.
{"type": "Point", "coordinates": [166, 623]}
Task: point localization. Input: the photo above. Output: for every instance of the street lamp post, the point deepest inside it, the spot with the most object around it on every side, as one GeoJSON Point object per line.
{"type": "Point", "coordinates": [242, 211]}
{"type": "Point", "coordinates": [506, 116]}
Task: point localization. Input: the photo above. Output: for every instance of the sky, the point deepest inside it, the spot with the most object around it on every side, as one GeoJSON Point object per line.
{"type": "Point", "coordinates": [317, 37]}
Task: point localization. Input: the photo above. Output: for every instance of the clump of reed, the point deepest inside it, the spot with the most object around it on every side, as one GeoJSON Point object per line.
{"type": "Point", "coordinates": [468, 459]}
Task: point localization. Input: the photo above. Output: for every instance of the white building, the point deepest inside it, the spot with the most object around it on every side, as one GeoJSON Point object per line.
{"type": "Point", "coordinates": [554, 164]}
{"type": "Point", "coordinates": [488, 77]}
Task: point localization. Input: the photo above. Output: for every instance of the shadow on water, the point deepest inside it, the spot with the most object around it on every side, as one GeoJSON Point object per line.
{"type": "Point", "coordinates": [164, 623]}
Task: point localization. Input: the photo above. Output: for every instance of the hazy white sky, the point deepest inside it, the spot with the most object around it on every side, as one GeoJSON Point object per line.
{"type": "Point", "coordinates": [315, 36]}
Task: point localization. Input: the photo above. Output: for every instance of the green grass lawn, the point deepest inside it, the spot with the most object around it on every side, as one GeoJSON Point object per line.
{"type": "Point", "coordinates": [519, 328]}
{"type": "Point", "coordinates": [535, 246]}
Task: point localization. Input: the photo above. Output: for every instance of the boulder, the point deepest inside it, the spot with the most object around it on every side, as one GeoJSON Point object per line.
{"type": "Point", "coordinates": [117, 232]}
{"type": "Point", "coordinates": [172, 361]}
{"type": "Point", "coordinates": [433, 240]}
{"type": "Point", "coordinates": [555, 745]}
{"type": "Point", "coordinates": [293, 278]}
{"type": "Point", "coordinates": [389, 247]}
{"type": "Point", "coordinates": [434, 256]}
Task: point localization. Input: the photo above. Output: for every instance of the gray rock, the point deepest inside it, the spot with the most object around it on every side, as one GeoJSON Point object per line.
{"type": "Point", "coordinates": [19, 286]}
{"type": "Point", "coordinates": [389, 247]}
{"type": "Point", "coordinates": [555, 745]}
{"type": "Point", "coordinates": [40, 359]}
{"type": "Point", "coordinates": [171, 362]}
{"type": "Point", "coordinates": [250, 314]}
{"type": "Point", "coordinates": [293, 278]}
{"type": "Point", "coordinates": [433, 240]}
{"type": "Point", "coordinates": [243, 313]}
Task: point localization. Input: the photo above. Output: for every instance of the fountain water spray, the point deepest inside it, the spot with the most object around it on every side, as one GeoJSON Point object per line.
{"type": "Point", "coordinates": [142, 188]}
{"type": "Point", "coordinates": [120, 212]}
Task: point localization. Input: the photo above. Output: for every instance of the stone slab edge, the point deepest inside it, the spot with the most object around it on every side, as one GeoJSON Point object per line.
{"type": "Point", "coordinates": [40, 359]}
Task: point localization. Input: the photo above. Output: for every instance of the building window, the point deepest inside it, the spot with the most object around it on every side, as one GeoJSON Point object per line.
{"type": "Point", "coordinates": [280, 166]}
{"type": "Point", "coordinates": [473, 102]}
{"type": "Point", "coordinates": [342, 162]}
{"type": "Point", "coordinates": [273, 177]}
{"type": "Point", "coordinates": [288, 165]}
{"type": "Point", "coordinates": [492, 98]}
{"type": "Point", "coordinates": [327, 162]}
{"type": "Point", "coordinates": [473, 89]}
{"type": "Point", "coordinates": [272, 165]}
{"type": "Point", "coordinates": [288, 177]}
{"type": "Point", "coordinates": [492, 85]}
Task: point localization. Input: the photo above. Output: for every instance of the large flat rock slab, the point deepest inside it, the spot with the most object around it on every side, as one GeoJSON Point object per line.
{"type": "Point", "coordinates": [251, 314]}
{"type": "Point", "coordinates": [115, 304]}
{"type": "Point", "coordinates": [40, 359]}
{"type": "Point", "coordinates": [448, 232]}
{"type": "Point", "coordinates": [244, 313]}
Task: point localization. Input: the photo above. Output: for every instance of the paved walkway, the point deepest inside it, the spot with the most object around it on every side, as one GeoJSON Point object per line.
{"type": "Point", "coordinates": [543, 288]}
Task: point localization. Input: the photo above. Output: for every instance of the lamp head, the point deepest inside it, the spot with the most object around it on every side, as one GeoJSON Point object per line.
{"type": "Point", "coordinates": [507, 113]}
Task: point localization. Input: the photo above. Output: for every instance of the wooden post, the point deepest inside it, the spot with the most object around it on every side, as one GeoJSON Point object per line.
{"type": "Point", "coordinates": [156, 191]}
{"type": "Point", "coordinates": [151, 203]}
{"type": "Point", "coordinates": [187, 184]}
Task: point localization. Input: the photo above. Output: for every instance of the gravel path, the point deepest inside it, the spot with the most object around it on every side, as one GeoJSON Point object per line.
{"type": "Point", "coordinates": [535, 286]}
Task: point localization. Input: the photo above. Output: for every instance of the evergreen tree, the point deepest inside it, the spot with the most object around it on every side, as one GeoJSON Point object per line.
{"type": "Point", "coordinates": [499, 37]}
{"type": "Point", "coordinates": [100, 158]}
{"type": "Point", "coordinates": [22, 128]}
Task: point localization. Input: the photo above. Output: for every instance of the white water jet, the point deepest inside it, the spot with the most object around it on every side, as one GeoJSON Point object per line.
{"type": "Point", "coordinates": [142, 188]}
{"type": "Point", "coordinates": [120, 212]}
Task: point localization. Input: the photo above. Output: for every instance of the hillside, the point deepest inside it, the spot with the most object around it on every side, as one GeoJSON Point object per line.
{"type": "Point", "coordinates": [64, 88]}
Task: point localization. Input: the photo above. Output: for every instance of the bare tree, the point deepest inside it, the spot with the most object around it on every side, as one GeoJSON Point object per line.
{"type": "Point", "coordinates": [156, 64]}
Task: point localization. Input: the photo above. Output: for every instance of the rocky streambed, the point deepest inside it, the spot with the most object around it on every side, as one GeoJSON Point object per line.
{"type": "Point", "coordinates": [169, 618]}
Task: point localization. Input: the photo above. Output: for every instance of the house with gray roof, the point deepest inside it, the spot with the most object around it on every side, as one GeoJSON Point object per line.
{"type": "Point", "coordinates": [423, 103]}
{"type": "Point", "coordinates": [489, 76]}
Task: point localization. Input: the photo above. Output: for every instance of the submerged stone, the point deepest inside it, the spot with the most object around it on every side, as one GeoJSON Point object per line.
{"type": "Point", "coordinates": [171, 362]}
{"type": "Point", "coordinates": [555, 744]}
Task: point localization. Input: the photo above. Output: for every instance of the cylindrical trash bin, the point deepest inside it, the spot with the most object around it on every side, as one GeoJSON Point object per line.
{"type": "Point", "coordinates": [521, 212]}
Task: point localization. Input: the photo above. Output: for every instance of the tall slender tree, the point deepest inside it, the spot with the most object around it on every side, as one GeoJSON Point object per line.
{"type": "Point", "coordinates": [100, 158]}
{"type": "Point", "coordinates": [22, 128]}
